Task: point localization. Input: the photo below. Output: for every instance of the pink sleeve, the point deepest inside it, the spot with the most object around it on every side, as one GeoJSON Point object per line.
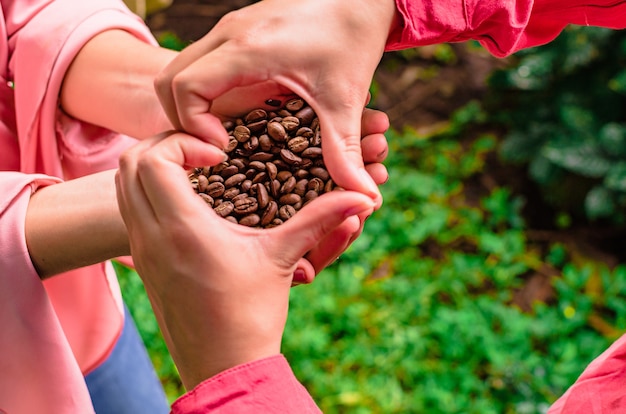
{"type": "Point", "coordinates": [39, 369]}
{"type": "Point", "coordinates": [600, 388]}
{"type": "Point", "coordinates": [502, 27]}
{"type": "Point", "coordinates": [264, 386]}
{"type": "Point", "coordinates": [44, 36]}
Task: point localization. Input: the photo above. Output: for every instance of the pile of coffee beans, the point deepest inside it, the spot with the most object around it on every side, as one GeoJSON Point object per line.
{"type": "Point", "coordinates": [275, 167]}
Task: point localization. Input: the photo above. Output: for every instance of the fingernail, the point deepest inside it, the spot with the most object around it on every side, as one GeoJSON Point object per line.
{"type": "Point", "coordinates": [273, 102]}
{"type": "Point", "coordinates": [299, 276]}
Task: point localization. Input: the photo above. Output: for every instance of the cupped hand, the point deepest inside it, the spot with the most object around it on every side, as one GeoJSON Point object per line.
{"type": "Point", "coordinates": [219, 290]}
{"type": "Point", "coordinates": [325, 51]}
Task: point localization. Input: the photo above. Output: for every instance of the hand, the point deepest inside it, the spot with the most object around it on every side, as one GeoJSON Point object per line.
{"type": "Point", "coordinates": [219, 290]}
{"type": "Point", "coordinates": [374, 147]}
{"type": "Point", "coordinates": [325, 51]}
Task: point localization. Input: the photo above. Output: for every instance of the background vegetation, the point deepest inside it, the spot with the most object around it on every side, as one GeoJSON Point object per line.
{"type": "Point", "coordinates": [474, 290]}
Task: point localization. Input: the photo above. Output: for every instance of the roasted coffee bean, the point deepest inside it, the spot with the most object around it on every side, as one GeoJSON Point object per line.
{"type": "Point", "coordinates": [271, 170]}
{"type": "Point", "coordinates": [215, 190]}
{"type": "Point", "coordinates": [234, 180]}
{"type": "Point", "coordinates": [270, 213]}
{"type": "Point", "coordinates": [286, 212]}
{"type": "Point", "coordinates": [262, 196]}
{"type": "Point", "coordinates": [257, 165]}
{"type": "Point", "coordinates": [310, 195]}
{"type": "Point", "coordinates": [255, 115]}
{"type": "Point", "coordinates": [300, 187]}
{"type": "Point", "coordinates": [232, 144]}
{"type": "Point", "coordinates": [203, 183]}
{"type": "Point", "coordinates": [225, 208]}
{"type": "Point", "coordinates": [290, 158]}
{"type": "Point", "coordinates": [241, 133]}
{"type": "Point", "coordinates": [284, 175]}
{"type": "Point", "coordinates": [275, 167]}
{"type": "Point", "coordinates": [312, 152]}
{"type": "Point", "coordinates": [259, 178]}
{"type": "Point", "coordinates": [261, 156]}
{"type": "Point", "coordinates": [274, 188]}
{"type": "Point", "coordinates": [265, 143]}
{"type": "Point", "coordinates": [305, 115]}
{"type": "Point", "coordinates": [305, 132]}
{"type": "Point", "coordinates": [301, 173]}
{"type": "Point", "coordinates": [298, 144]}
{"type": "Point", "coordinates": [229, 171]}
{"type": "Point", "coordinates": [316, 184]}
{"type": "Point", "coordinates": [290, 123]}
{"type": "Point", "coordinates": [288, 186]}
{"type": "Point", "coordinates": [246, 185]}
{"type": "Point", "coordinates": [289, 199]}
{"type": "Point", "coordinates": [294, 105]}
{"type": "Point", "coordinates": [276, 131]}
{"type": "Point", "coordinates": [320, 173]}
{"type": "Point", "coordinates": [250, 220]}
{"type": "Point", "coordinates": [239, 163]}
{"type": "Point", "coordinates": [246, 205]}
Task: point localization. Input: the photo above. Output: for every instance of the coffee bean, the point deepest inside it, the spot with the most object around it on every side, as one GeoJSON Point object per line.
{"type": "Point", "coordinates": [224, 209]}
{"type": "Point", "coordinates": [286, 212]}
{"type": "Point", "coordinates": [269, 213]}
{"type": "Point", "coordinates": [234, 180]}
{"type": "Point", "coordinates": [298, 144]}
{"type": "Point", "coordinates": [215, 190]}
{"type": "Point", "coordinates": [294, 105]}
{"type": "Point", "coordinates": [255, 115]}
{"type": "Point", "coordinates": [241, 133]}
{"type": "Point", "coordinates": [275, 167]}
{"type": "Point", "coordinates": [276, 131]}
{"type": "Point", "coordinates": [262, 196]}
{"type": "Point", "coordinates": [251, 220]}
{"type": "Point", "coordinates": [289, 157]}
{"type": "Point", "coordinates": [246, 205]}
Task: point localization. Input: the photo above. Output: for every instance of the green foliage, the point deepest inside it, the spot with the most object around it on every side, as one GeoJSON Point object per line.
{"type": "Point", "coordinates": [419, 315]}
{"type": "Point", "coordinates": [563, 105]}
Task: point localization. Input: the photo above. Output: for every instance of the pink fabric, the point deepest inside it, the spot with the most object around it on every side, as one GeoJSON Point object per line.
{"type": "Point", "coordinates": [55, 331]}
{"type": "Point", "coordinates": [502, 27]}
{"type": "Point", "coordinates": [264, 386]}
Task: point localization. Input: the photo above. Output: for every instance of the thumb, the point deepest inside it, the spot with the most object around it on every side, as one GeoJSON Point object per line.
{"type": "Point", "coordinates": [317, 220]}
{"type": "Point", "coordinates": [341, 146]}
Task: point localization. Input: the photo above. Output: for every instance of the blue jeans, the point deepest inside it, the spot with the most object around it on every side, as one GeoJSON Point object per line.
{"type": "Point", "coordinates": [126, 383]}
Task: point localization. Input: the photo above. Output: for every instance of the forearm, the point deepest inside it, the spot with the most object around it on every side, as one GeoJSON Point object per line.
{"type": "Point", "coordinates": [74, 224]}
{"type": "Point", "coordinates": [110, 83]}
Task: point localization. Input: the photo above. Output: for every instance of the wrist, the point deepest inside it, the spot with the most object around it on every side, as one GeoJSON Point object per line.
{"type": "Point", "coordinates": [74, 224]}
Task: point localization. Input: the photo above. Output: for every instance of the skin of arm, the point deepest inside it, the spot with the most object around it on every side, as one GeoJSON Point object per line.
{"type": "Point", "coordinates": [75, 223]}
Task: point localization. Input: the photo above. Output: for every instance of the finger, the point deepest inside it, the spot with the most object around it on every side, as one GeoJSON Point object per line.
{"type": "Point", "coordinates": [374, 148]}
{"type": "Point", "coordinates": [334, 244]}
{"type": "Point", "coordinates": [164, 81]}
{"type": "Point", "coordinates": [196, 87]}
{"type": "Point", "coordinates": [304, 273]}
{"type": "Point", "coordinates": [163, 175]}
{"type": "Point", "coordinates": [378, 172]}
{"type": "Point", "coordinates": [132, 201]}
{"type": "Point", "coordinates": [316, 220]}
{"type": "Point", "coordinates": [341, 146]}
{"type": "Point", "coordinates": [374, 121]}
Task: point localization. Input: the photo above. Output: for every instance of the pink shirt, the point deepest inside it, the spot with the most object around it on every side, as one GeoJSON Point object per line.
{"type": "Point", "coordinates": [52, 332]}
